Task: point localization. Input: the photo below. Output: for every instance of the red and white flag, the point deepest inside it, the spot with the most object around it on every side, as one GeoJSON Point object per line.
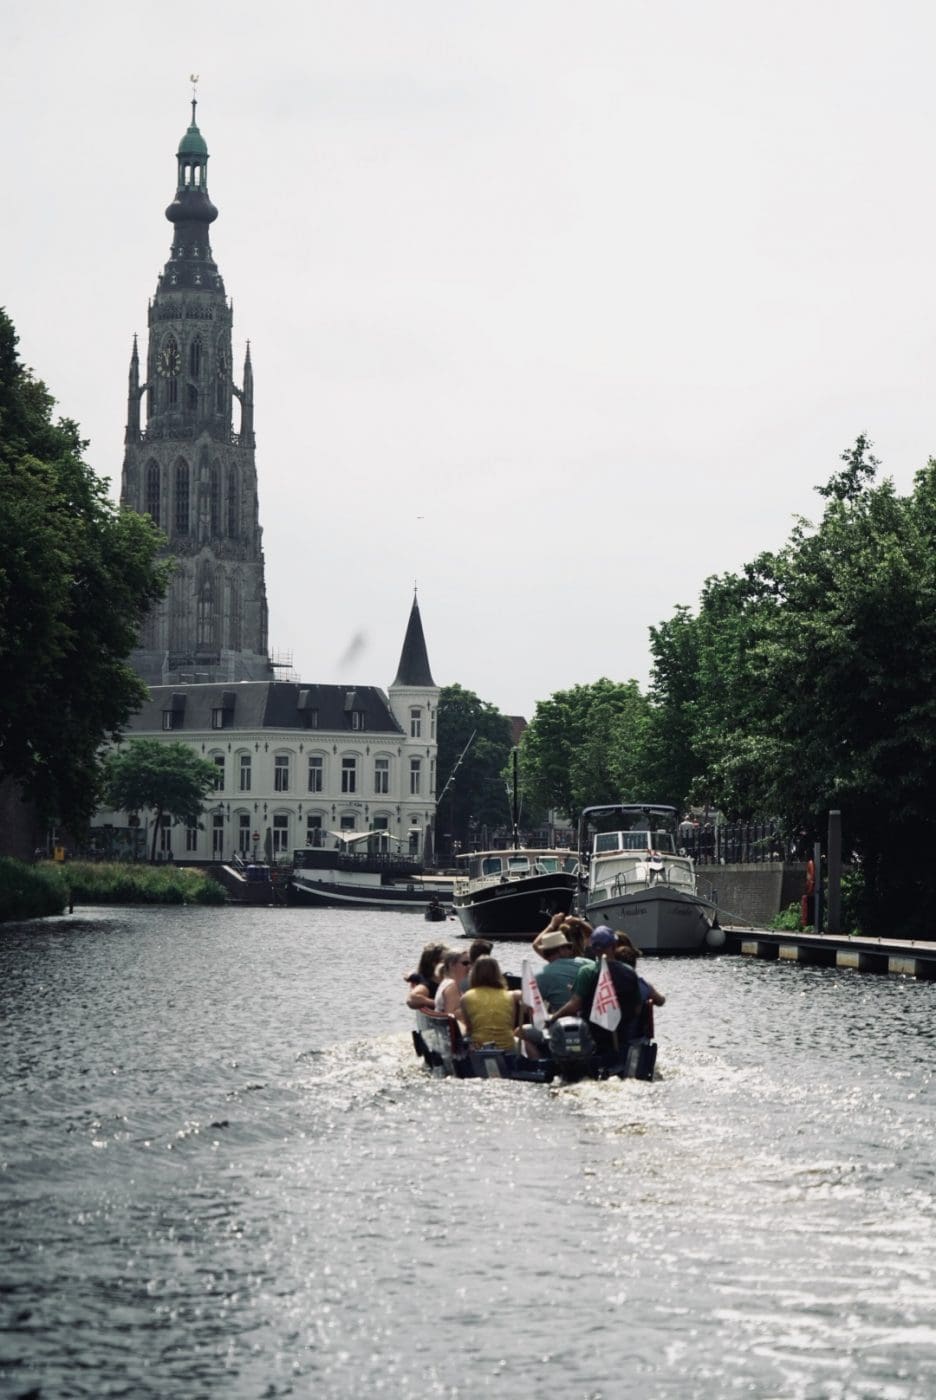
{"type": "Point", "coordinates": [531, 995]}
{"type": "Point", "coordinates": [606, 1009]}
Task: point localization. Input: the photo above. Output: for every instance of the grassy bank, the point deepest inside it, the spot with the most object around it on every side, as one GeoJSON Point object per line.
{"type": "Point", "coordinates": [30, 891]}
{"type": "Point", "coordinates": [106, 882]}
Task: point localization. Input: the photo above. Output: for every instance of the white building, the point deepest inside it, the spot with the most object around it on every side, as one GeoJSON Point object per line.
{"type": "Point", "coordinates": [298, 764]}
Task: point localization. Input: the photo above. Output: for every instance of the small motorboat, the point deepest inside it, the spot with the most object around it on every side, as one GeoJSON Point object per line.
{"type": "Point", "coordinates": [439, 1042]}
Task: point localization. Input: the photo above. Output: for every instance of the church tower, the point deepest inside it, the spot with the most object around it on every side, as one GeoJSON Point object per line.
{"type": "Point", "coordinates": [187, 466]}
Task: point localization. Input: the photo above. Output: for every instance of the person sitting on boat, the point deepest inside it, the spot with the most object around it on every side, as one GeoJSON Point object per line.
{"type": "Point", "coordinates": [489, 1010]}
{"type": "Point", "coordinates": [423, 983]}
{"type": "Point", "coordinates": [577, 931]}
{"type": "Point", "coordinates": [434, 911]}
{"type": "Point", "coordinates": [480, 948]}
{"type": "Point", "coordinates": [628, 952]}
{"type": "Point", "coordinates": [603, 944]}
{"type": "Point", "coordinates": [556, 979]}
{"type": "Point", "coordinates": [451, 969]}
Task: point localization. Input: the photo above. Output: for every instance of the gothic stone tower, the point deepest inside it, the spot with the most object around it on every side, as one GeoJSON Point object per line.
{"type": "Point", "coordinates": [188, 468]}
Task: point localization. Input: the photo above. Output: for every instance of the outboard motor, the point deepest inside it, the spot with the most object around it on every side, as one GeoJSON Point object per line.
{"type": "Point", "coordinates": [572, 1049]}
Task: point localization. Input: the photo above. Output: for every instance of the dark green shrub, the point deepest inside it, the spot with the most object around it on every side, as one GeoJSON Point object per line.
{"type": "Point", "coordinates": [30, 891]}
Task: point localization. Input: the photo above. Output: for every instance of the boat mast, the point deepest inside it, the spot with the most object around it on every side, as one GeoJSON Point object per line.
{"type": "Point", "coordinates": [515, 810]}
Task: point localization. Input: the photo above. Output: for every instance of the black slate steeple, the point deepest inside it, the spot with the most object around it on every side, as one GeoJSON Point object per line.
{"type": "Point", "coordinates": [414, 659]}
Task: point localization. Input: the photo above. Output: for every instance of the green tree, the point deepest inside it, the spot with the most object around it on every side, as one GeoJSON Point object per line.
{"type": "Point", "coordinates": [586, 746]}
{"type": "Point", "coordinates": [476, 796]}
{"type": "Point", "coordinates": [817, 668]}
{"type": "Point", "coordinates": [166, 779]}
{"type": "Point", "coordinates": [77, 577]}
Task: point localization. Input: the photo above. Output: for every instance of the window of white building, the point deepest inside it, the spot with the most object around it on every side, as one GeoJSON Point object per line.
{"type": "Point", "coordinates": [415, 724]}
{"type": "Point", "coordinates": [381, 775]}
{"type": "Point", "coordinates": [415, 776]}
{"type": "Point", "coordinates": [281, 773]}
{"type": "Point", "coordinates": [349, 774]}
{"type": "Point", "coordinates": [316, 772]}
{"type": "Point", "coordinates": [245, 772]}
{"type": "Point", "coordinates": [280, 834]}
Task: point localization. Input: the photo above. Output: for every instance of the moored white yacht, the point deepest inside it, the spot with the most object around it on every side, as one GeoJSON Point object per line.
{"type": "Point", "coordinates": [634, 879]}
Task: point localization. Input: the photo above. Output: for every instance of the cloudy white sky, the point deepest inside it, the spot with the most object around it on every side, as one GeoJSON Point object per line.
{"type": "Point", "coordinates": [555, 308]}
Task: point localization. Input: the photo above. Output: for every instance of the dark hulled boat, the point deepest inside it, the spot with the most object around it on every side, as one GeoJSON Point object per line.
{"type": "Point", "coordinates": [514, 894]}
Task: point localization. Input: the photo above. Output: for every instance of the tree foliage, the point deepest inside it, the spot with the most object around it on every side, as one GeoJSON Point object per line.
{"type": "Point", "coordinates": [814, 672]}
{"type": "Point", "coordinates": [77, 577]}
{"type": "Point", "coordinates": [587, 745]}
{"type": "Point", "coordinates": [477, 796]}
{"type": "Point", "coordinates": [164, 778]}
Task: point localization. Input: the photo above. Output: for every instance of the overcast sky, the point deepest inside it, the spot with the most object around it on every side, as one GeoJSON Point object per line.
{"type": "Point", "coordinates": [556, 307]}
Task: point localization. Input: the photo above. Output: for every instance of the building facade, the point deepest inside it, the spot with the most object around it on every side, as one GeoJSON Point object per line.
{"type": "Point", "coordinates": [297, 765]}
{"type": "Point", "coordinates": [187, 466]}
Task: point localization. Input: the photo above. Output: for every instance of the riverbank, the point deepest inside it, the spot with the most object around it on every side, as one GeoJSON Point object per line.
{"type": "Point", "coordinates": [48, 888]}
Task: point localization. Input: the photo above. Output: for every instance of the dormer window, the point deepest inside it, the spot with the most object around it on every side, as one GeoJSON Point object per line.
{"type": "Point", "coordinates": [357, 719]}
{"type": "Point", "coordinates": [308, 710]}
{"type": "Point", "coordinates": [174, 713]}
{"type": "Point", "coordinates": [222, 713]}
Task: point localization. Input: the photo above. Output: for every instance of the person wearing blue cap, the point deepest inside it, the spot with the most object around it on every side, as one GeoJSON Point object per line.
{"type": "Point", "coordinates": [626, 986]}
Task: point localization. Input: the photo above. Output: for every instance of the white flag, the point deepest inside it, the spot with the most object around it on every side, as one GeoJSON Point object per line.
{"type": "Point", "coordinates": [531, 995]}
{"type": "Point", "coordinates": [606, 1009]}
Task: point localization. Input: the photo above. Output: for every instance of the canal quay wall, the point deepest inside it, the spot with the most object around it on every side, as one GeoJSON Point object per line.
{"type": "Point", "coordinates": [908, 958]}
{"type": "Point", "coordinates": [751, 894]}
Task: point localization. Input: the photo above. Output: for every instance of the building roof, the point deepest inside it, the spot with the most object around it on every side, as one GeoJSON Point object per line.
{"type": "Point", "coordinates": [414, 659]}
{"type": "Point", "coordinates": [248, 705]}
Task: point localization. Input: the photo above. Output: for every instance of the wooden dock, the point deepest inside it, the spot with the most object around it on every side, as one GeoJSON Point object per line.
{"type": "Point", "coordinates": [906, 958]}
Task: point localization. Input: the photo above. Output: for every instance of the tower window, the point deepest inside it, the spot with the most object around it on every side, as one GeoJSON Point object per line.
{"type": "Point", "coordinates": [152, 492]}
{"type": "Point", "coordinates": [182, 507]}
{"type": "Point", "coordinates": [195, 358]}
{"type": "Point", "coordinates": [215, 498]}
{"type": "Point", "coordinates": [232, 504]}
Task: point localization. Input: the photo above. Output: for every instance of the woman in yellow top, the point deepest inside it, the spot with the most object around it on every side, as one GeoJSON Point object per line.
{"type": "Point", "coordinates": [488, 1009]}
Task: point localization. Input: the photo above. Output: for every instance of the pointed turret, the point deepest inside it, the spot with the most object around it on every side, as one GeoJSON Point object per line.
{"type": "Point", "coordinates": [414, 659]}
{"type": "Point", "coordinates": [133, 397]}
{"type": "Point", "coordinates": [247, 401]}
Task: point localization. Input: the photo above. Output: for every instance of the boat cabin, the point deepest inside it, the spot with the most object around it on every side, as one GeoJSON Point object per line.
{"type": "Point", "coordinates": [607, 842]}
{"type": "Point", "coordinates": [512, 865]}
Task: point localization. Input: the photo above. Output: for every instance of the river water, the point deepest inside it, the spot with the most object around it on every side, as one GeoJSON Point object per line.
{"type": "Point", "coordinates": [223, 1173]}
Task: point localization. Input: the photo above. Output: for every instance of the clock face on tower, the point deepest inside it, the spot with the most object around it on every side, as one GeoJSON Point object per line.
{"type": "Point", "coordinates": [168, 360]}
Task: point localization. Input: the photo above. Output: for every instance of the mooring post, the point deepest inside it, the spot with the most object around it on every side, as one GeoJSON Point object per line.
{"type": "Point", "coordinates": [835, 872]}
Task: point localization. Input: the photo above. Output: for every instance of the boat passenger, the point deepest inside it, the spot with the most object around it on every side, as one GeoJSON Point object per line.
{"type": "Point", "coordinates": [488, 1008]}
{"type": "Point", "coordinates": [577, 931]}
{"type": "Point", "coordinates": [642, 1025]}
{"type": "Point", "coordinates": [480, 948]}
{"type": "Point", "coordinates": [423, 983]}
{"type": "Point", "coordinates": [603, 944]}
{"type": "Point", "coordinates": [556, 979]}
{"type": "Point", "coordinates": [453, 966]}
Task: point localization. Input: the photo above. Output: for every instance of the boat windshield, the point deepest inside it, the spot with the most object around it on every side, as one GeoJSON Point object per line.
{"type": "Point", "coordinates": [491, 865]}
{"type": "Point", "coordinates": [633, 841]}
{"type": "Point", "coordinates": [518, 865]}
